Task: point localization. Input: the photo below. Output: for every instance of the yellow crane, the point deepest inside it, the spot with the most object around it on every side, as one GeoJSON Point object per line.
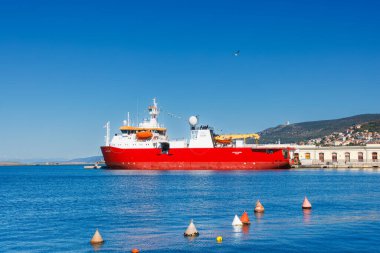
{"type": "Point", "coordinates": [224, 138]}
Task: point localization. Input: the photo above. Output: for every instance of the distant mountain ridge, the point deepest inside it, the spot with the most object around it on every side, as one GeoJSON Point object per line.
{"type": "Point", "coordinates": [304, 131]}
{"type": "Point", "coordinates": [91, 159]}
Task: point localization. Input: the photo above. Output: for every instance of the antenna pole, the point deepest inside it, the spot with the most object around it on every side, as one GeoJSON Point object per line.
{"type": "Point", "coordinates": [128, 122]}
{"type": "Point", "coordinates": [107, 137]}
{"type": "Point", "coordinates": [137, 116]}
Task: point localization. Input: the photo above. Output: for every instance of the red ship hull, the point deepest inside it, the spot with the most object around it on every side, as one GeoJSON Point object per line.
{"type": "Point", "coordinates": [245, 158]}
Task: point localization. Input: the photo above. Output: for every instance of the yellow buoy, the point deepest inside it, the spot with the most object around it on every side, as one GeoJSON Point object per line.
{"type": "Point", "coordinates": [219, 239]}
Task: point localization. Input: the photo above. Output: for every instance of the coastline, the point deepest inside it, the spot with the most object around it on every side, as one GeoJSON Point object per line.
{"type": "Point", "coordinates": [294, 167]}
{"type": "Point", "coordinates": [43, 164]}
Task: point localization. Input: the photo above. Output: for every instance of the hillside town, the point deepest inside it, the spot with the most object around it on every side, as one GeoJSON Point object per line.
{"type": "Point", "coordinates": [353, 136]}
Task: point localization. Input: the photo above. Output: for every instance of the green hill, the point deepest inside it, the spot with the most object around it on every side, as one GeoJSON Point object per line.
{"type": "Point", "coordinates": [316, 129]}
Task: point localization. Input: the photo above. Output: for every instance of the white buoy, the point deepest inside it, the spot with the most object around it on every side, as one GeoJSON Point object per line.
{"type": "Point", "coordinates": [191, 230]}
{"type": "Point", "coordinates": [237, 221]}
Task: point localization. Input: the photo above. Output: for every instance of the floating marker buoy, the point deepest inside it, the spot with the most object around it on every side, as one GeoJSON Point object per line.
{"type": "Point", "coordinates": [135, 251]}
{"type": "Point", "coordinates": [97, 238]}
{"type": "Point", "coordinates": [306, 204]}
{"type": "Point", "coordinates": [259, 207]}
{"type": "Point", "coordinates": [219, 239]}
{"type": "Point", "coordinates": [237, 221]}
{"type": "Point", "coordinates": [191, 230]}
{"type": "Point", "coordinates": [244, 218]}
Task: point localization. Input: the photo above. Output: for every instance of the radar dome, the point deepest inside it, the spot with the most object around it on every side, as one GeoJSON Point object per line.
{"type": "Point", "coordinates": [193, 120]}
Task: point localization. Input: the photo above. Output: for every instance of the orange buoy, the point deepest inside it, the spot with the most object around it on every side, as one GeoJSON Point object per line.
{"type": "Point", "coordinates": [306, 204]}
{"type": "Point", "coordinates": [97, 238]}
{"type": "Point", "coordinates": [135, 250]}
{"type": "Point", "coordinates": [244, 218]}
{"type": "Point", "coordinates": [259, 207]}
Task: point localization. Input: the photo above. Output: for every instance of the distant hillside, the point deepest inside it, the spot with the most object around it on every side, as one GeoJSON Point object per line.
{"type": "Point", "coordinates": [373, 126]}
{"type": "Point", "coordinates": [91, 159]}
{"type": "Point", "coordinates": [314, 129]}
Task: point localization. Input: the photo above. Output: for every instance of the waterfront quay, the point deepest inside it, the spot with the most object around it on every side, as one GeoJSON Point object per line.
{"type": "Point", "coordinates": [312, 156]}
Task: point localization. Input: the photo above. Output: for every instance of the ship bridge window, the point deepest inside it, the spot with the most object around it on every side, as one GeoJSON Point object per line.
{"type": "Point", "coordinates": [128, 131]}
{"type": "Point", "coordinates": [269, 151]}
{"type": "Point", "coordinates": [194, 134]}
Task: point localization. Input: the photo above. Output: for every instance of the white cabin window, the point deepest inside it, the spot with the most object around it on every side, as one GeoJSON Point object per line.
{"type": "Point", "coordinates": [194, 135]}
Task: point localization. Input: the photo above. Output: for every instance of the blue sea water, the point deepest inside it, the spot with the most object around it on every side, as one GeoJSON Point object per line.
{"type": "Point", "coordinates": [58, 208]}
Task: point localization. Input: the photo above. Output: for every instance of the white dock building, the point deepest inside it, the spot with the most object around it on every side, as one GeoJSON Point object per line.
{"type": "Point", "coordinates": [338, 156]}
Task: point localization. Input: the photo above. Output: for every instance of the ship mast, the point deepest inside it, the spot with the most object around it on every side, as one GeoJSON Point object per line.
{"type": "Point", "coordinates": [153, 112]}
{"type": "Point", "coordinates": [107, 137]}
{"type": "Point", "coordinates": [128, 120]}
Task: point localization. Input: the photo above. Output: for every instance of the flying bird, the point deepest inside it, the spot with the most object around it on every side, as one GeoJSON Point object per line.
{"type": "Point", "coordinates": [174, 116]}
{"type": "Point", "coordinates": [237, 53]}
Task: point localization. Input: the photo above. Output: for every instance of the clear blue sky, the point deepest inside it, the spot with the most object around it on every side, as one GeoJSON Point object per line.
{"type": "Point", "coordinates": [67, 67]}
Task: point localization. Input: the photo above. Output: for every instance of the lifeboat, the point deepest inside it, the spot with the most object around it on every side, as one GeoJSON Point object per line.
{"type": "Point", "coordinates": [223, 141]}
{"type": "Point", "coordinates": [144, 135]}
